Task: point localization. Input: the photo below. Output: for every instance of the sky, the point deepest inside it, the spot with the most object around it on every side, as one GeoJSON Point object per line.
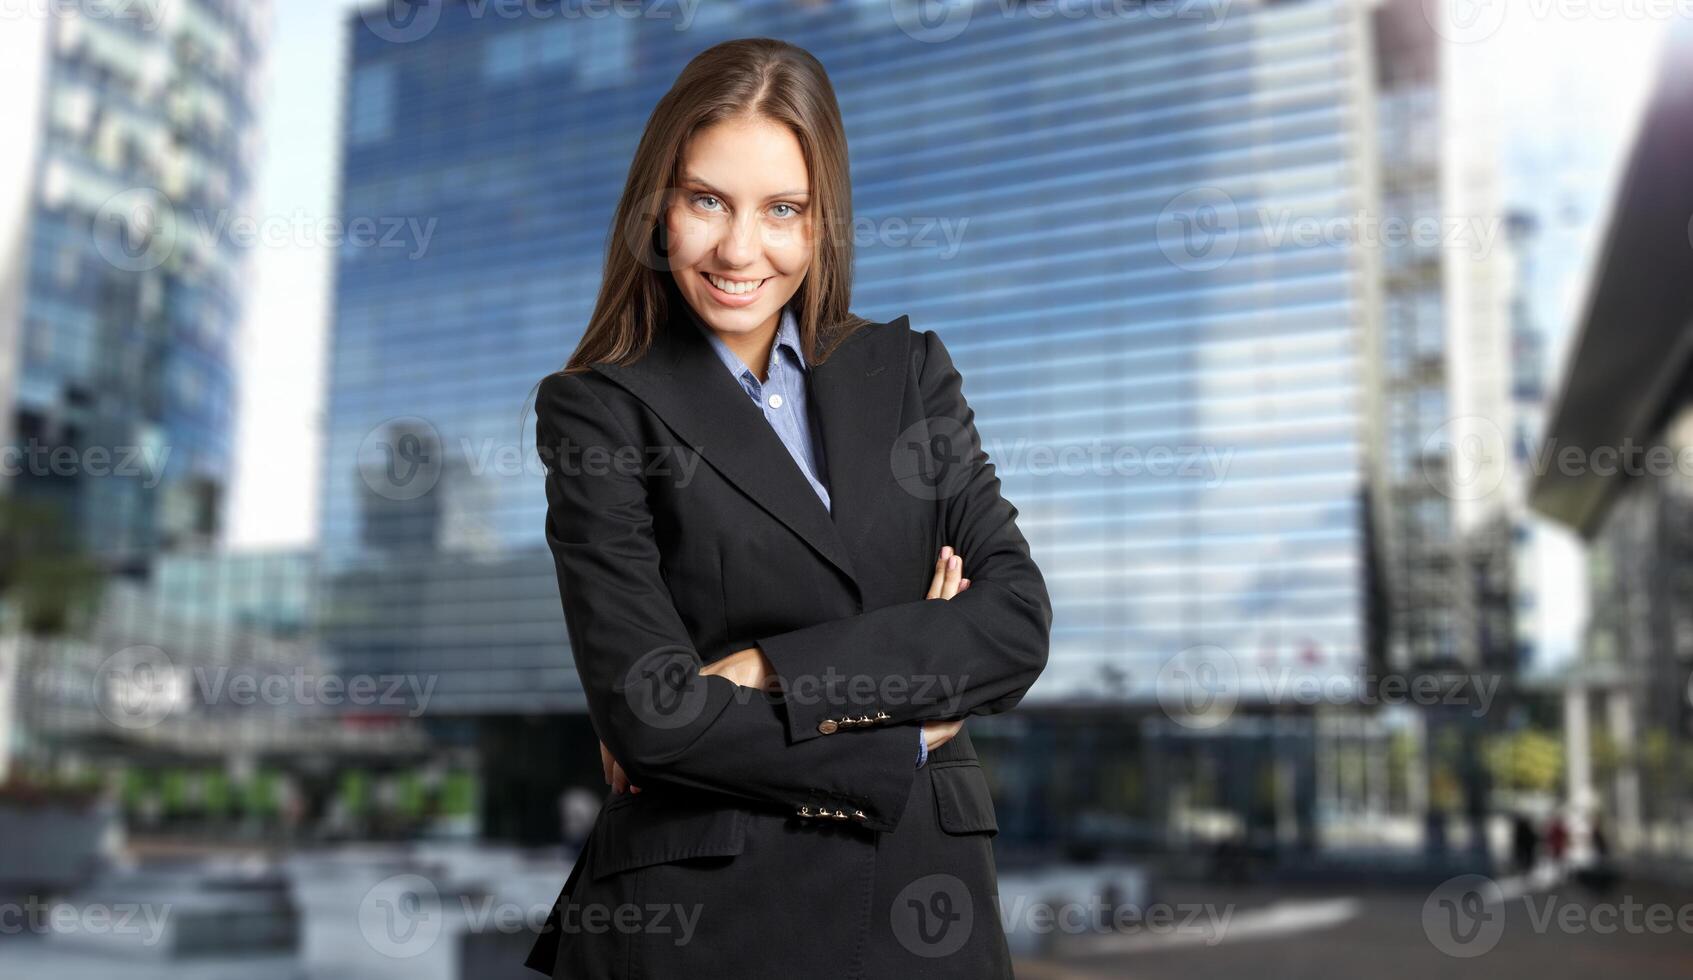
{"type": "Point", "coordinates": [281, 362]}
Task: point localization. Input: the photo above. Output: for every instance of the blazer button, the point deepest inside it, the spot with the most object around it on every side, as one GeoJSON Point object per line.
{"type": "Point", "coordinates": [827, 726]}
{"type": "Point", "coordinates": [859, 815]}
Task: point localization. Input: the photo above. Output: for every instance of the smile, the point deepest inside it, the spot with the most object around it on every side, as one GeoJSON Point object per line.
{"type": "Point", "coordinates": [732, 291]}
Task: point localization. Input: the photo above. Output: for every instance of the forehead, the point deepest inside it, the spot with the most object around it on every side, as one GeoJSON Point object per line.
{"type": "Point", "coordinates": [750, 157]}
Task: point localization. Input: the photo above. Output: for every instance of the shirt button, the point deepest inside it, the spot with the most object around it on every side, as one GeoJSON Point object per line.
{"type": "Point", "coordinates": [775, 401]}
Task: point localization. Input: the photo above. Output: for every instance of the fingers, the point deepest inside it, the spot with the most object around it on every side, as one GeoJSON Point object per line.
{"type": "Point", "coordinates": [939, 578]}
{"type": "Point", "coordinates": [938, 733]}
{"type": "Point", "coordinates": [949, 572]}
{"type": "Point", "coordinates": [614, 774]}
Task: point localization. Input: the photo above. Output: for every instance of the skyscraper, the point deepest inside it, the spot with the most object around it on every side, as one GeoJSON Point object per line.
{"type": "Point", "coordinates": [131, 141]}
{"type": "Point", "coordinates": [1140, 235]}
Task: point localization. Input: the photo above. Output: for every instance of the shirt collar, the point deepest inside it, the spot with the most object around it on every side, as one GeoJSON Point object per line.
{"type": "Point", "coordinates": [787, 335]}
{"type": "Point", "coordinates": [787, 332]}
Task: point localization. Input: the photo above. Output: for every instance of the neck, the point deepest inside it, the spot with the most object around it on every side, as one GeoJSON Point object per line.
{"type": "Point", "coordinates": [754, 347]}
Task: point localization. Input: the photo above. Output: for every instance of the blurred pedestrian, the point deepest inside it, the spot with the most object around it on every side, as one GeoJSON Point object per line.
{"type": "Point", "coordinates": [1557, 842]}
{"type": "Point", "coordinates": [1525, 843]}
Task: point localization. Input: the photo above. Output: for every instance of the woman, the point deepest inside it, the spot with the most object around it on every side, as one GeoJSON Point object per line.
{"type": "Point", "coordinates": [747, 561]}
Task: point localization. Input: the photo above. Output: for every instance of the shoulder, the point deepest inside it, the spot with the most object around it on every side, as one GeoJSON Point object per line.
{"type": "Point", "coordinates": [899, 333]}
{"type": "Point", "coordinates": [572, 400]}
{"type": "Point", "coordinates": [926, 354]}
{"type": "Point", "coordinates": [930, 360]}
{"type": "Point", "coordinates": [584, 385]}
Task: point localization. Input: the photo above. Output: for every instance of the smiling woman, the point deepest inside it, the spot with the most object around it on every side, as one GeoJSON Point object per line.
{"type": "Point", "coordinates": [780, 702]}
{"type": "Point", "coordinates": [739, 174]}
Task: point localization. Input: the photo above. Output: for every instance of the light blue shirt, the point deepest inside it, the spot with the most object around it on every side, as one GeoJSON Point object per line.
{"type": "Point", "coordinates": [781, 396]}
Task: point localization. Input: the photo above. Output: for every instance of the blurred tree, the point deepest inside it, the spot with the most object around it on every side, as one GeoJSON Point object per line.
{"type": "Point", "coordinates": [355, 791]}
{"type": "Point", "coordinates": [1527, 759]}
{"type": "Point", "coordinates": [217, 795]}
{"type": "Point", "coordinates": [458, 794]}
{"type": "Point", "coordinates": [409, 799]}
{"type": "Point", "coordinates": [174, 789]}
{"type": "Point", "coordinates": [260, 793]}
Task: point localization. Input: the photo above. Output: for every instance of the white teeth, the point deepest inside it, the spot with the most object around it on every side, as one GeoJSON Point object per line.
{"type": "Point", "coordinates": [734, 288]}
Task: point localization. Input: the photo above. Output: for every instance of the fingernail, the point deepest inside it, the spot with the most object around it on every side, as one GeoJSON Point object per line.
{"type": "Point", "coordinates": [946, 552]}
{"type": "Point", "coordinates": [953, 561]}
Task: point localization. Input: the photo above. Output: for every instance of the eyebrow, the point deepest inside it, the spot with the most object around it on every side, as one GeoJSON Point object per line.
{"type": "Point", "coordinates": [693, 179]}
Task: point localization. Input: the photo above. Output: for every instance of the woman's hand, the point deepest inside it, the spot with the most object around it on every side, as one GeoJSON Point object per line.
{"type": "Point", "coordinates": [614, 774]}
{"type": "Point", "coordinates": [938, 733]}
{"type": "Point", "coordinates": [748, 668]}
{"type": "Point", "coordinates": [949, 580]}
{"type": "Point", "coordinates": [949, 577]}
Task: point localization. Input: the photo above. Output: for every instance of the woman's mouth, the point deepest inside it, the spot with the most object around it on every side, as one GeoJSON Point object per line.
{"type": "Point", "coordinates": [730, 292]}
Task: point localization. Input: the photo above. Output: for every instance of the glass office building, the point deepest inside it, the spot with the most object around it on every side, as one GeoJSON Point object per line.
{"type": "Point", "coordinates": [1124, 227]}
{"type": "Point", "coordinates": [133, 133]}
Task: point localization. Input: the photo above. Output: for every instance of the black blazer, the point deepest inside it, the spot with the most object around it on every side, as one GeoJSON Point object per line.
{"type": "Point", "coordinates": [794, 829]}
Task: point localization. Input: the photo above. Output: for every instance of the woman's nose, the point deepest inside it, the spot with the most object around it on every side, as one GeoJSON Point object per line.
{"type": "Point", "coordinates": [740, 244]}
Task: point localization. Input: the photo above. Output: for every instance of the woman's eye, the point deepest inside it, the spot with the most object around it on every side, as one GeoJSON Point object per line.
{"type": "Point", "coordinates": [790, 207]}
{"type": "Point", "coordinates": [698, 198]}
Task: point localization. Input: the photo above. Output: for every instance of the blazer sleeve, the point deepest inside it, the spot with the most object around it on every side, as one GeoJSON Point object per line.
{"type": "Point", "coordinates": [661, 718]}
{"type": "Point", "coordinates": [976, 653]}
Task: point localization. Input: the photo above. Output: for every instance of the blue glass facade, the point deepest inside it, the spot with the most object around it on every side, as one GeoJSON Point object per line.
{"type": "Point", "coordinates": [1094, 212]}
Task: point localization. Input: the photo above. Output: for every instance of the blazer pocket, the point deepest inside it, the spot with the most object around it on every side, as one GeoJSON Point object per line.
{"type": "Point", "coordinates": [653, 828]}
{"type": "Point", "coordinates": [962, 800]}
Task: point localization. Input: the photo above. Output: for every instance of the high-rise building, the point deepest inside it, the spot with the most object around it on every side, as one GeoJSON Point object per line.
{"type": "Point", "coordinates": [131, 139]}
{"type": "Point", "coordinates": [1445, 358]}
{"type": "Point", "coordinates": [1620, 446]}
{"type": "Point", "coordinates": [1146, 344]}
{"type": "Point", "coordinates": [1149, 264]}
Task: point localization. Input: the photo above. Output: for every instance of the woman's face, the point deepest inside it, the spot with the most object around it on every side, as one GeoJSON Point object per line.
{"type": "Point", "coordinates": [739, 224]}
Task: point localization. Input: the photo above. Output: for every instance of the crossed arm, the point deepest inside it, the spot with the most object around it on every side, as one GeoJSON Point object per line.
{"type": "Point", "coordinates": [667, 720]}
{"type": "Point", "coordinates": [917, 661]}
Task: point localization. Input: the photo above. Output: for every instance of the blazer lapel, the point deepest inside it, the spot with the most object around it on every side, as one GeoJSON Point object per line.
{"type": "Point", "coordinates": [855, 393]}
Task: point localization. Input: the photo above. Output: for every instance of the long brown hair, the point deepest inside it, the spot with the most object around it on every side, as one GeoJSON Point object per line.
{"type": "Point", "coordinates": [748, 77]}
